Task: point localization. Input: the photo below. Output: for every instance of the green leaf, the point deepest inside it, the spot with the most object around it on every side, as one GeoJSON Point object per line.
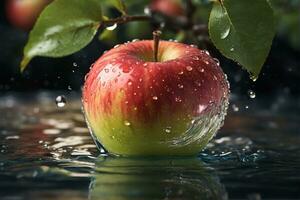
{"type": "Point", "coordinates": [64, 27]}
{"type": "Point", "coordinates": [243, 31]}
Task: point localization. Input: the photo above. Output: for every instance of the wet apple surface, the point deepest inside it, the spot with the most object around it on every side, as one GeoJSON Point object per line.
{"type": "Point", "coordinates": [135, 106]}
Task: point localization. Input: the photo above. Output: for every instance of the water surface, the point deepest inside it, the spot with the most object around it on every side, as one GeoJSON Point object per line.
{"type": "Point", "coordinates": [46, 152]}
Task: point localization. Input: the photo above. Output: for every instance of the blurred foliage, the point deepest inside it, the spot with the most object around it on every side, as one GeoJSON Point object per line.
{"type": "Point", "coordinates": [288, 18]}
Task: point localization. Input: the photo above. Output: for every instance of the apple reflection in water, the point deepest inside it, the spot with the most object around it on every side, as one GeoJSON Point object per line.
{"type": "Point", "coordinates": [127, 179]}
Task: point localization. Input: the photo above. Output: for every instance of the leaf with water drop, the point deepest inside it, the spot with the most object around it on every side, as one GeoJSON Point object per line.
{"type": "Point", "coordinates": [243, 31]}
{"type": "Point", "coordinates": [64, 27]}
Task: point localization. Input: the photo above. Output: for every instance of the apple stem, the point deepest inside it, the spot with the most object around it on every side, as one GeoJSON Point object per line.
{"type": "Point", "coordinates": [156, 37]}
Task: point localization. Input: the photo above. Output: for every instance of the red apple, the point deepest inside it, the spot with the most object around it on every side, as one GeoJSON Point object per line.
{"type": "Point", "coordinates": [23, 13]}
{"type": "Point", "coordinates": [135, 106]}
{"type": "Point", "coordinates": [171, 8]}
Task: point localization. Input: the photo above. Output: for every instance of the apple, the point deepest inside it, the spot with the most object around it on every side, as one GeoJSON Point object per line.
{"type": "Point", "coordinates": [171, 8]}
{"type": "Point", "coordinates": [137, 106]}
{"type": "Point", "coordinates": [23, 13]}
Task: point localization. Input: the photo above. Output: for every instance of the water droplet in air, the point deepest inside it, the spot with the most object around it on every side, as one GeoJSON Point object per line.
{"type": "Point", "coordinates": [154, 97]}
{"type": "Point", "coordinates": [225, 33]}
{"type": "Point", "coordinates": [113, 27]}
{"type": "Point", "coordinates": [60, 101]}
{"type": "Point", "coordinates": [69, 87]}
{"type": "Point", "coordinates": [251, 94]}
{"type": "Point", "coordinates": [235, 108]}
{"type": "Point", "coordinates": [147, 10]}
{"type": "Point", "coordinates": [253, 77]}
{"type": "Point", "coordinates": [232, 49]}
{"type": "Point", "coordinates": [127, 123]}
{"type": "Point", "coordinates": [75, 64]}
{"type": "Point", "coordinates": [189, 68]}
{"type": "Point", "coordinates": [162, 24]}
{"type": "Point", "coordinates": [135, 40]}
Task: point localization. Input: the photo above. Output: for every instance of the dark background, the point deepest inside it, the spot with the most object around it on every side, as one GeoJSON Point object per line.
{"type": "Point", "coordinates": [280, 74]}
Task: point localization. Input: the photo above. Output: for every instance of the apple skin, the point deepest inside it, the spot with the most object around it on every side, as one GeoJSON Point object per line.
{"type": "Point", "coordinates": [138, 107]}
{"type": "Point", "coordinates": [23, 13]}
{"type": "Point", "coordinates": [171, 8]}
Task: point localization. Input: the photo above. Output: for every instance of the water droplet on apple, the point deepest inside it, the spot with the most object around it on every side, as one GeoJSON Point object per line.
{"type": "Point", "coordinates": [206, 62]}
{"type": "Point", "coordinates": [106, 70]}
{"type": "Point", "coordinates": [127, 123]}
{"type": "Point", "coordinates": [129, 83]}
{"type": "Point", "coordinates": [217, 61]}
{"type": "Point", "coordinates": [168, 129]}
{"type": "Point", "coordinates": [60, 101]}
{"type": "Point", "coordinates": [235, 108]}
{"type": "Point", "coordinates": [189, 68]}
{"type": "Point", "coordinates": [225, 33]}
{"type": "Point", "coordinates": [135, 40]}
{"type": "Point", "coordinates": [155, 98]}
{"type": "Point", "coordinates": [180, 86]}
{"type": "Point", "coordinates": [116, 46]}
{"type": "Point", "coordinates": [251, 94]}
{"type": "Point", "coordinates": [180, 73]}
{"type": "Point", "coordinates": [206, 52]}
{"type": "Point", "coordinates": [193, 46]}
{"type": "Point", "coordinates": [202, 70]}
{"type": "Point", "coordinates": [196, 58]}
{"type": "Point", "coordinates": [178, 99]}
{"type": "Point", "coordinates": [113, 27]}
{"type": "Point", "coordinates": [113, 137]}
